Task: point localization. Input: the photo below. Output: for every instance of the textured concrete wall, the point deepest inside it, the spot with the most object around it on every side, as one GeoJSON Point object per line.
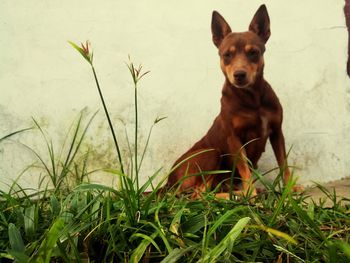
{"type": "Point", "coordinates": [42, 77]}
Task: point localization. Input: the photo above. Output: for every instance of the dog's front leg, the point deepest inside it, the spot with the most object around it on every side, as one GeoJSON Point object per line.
{"type": "Point", "coordinates": [239, 158]}
{"type": "Point", "coordinates": [278, 146]}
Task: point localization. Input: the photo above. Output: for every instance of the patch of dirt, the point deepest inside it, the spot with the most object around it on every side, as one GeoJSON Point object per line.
{"type": "Point", "coordinates": [341, 187]}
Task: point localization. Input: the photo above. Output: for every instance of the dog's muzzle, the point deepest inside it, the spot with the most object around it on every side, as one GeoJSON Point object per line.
{"type": "Point", "coordinates": [240, 79]}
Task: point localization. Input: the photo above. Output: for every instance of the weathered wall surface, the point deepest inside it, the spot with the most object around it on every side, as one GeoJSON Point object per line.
{"type": "Point", "coordinates": [42, 77]}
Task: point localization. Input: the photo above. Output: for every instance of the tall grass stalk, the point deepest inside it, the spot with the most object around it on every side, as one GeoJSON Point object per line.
{"type": "Point", "coordinates": [136, 136]}
{"type": "Point", "coordinates": [109, 120]}
{"type": "Point", "coordinates": [85, 52]}
{"type": "Point", "coordinates": [137, 75]}
{"type": "Point", "coordinates": [158, 119]}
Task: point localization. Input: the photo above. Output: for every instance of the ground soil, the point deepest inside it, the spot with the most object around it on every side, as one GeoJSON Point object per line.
{"type": "Point", "coordinates": [341, 187]}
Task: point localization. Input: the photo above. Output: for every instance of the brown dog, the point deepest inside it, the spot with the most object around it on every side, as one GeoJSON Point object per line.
{"type": "Point", "coordinates": [250, 113]}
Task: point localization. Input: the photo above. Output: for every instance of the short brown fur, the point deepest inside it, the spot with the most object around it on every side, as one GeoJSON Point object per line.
{"type": "Point", "coordinates": [250, 114]}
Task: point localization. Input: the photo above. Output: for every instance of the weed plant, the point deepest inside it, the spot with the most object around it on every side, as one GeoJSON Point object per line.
{"type": "Point", "coordinates": [86, 222]}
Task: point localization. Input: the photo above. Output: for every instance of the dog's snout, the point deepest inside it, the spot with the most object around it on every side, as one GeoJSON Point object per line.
{"type": "Point", "coordinates": [240, 75]}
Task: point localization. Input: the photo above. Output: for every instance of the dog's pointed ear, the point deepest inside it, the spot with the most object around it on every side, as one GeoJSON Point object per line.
{"type": "Point", "coordinates": [219, 28]}
{"type": "Point", "coordinates": [260, 24]}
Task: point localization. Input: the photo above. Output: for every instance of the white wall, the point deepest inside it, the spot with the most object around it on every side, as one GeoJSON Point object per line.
{"type": "Point", "coordinates": [43, 77]}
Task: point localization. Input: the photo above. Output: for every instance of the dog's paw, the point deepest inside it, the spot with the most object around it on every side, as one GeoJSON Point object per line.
{"type": "Point", "coordinates": [298, 188]}
{"type": "Point", "coordinates": [225, 196]}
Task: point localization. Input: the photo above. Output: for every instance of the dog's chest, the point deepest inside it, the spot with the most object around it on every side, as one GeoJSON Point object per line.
{"type": "Point", "coordinates": [250, 125]}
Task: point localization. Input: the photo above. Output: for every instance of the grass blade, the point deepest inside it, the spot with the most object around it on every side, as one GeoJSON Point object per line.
{"type": "Point", "coordinates": [306, 219]}
{"type": "Point", "coordinates": [282, 249]}
{"type": "Point", "coordinates": [282, 200]}
{"type": "Point", "coordinates": [141, 248]}
{"type": "Point", "coordinates": [30, 221]}
{"type": "Point", "coordinates": [345, 247]}
{"type": "Point", "coordinates": [227, 241]}
{"type": "Point", "coordinates": [14, 133]}
{"type": "Point", "coordinates": [46, 248]}
{"type": "Point", "coordinates": [220, 221]}
{"type": "Point", "coordinates": [15, 238]}
{"type": "Point", "coordinates": [175, 255]}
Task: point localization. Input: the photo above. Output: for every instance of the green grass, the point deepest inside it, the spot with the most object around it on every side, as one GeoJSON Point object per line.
{"type": "Point", "coordinates": [98, 223]}
{"type": "Point", "coordinates": [72, 220]}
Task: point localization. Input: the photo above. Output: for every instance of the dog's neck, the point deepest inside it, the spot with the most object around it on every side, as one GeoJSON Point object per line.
{"type": "Point", "coordinates": [249, 97]}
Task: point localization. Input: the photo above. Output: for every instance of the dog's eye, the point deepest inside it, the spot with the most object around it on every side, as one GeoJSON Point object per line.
{"type": "Point", "coordinates": [227, 55]}
{"type": "Point", "coordinates": [253, 54]}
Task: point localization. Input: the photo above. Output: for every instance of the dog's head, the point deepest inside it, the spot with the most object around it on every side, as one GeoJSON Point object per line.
{"type": "Point", "coordinates": [241, 54]}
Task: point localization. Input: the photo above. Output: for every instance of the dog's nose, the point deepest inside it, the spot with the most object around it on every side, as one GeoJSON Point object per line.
{"type": "Point", "coordinates": [240, 75]}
